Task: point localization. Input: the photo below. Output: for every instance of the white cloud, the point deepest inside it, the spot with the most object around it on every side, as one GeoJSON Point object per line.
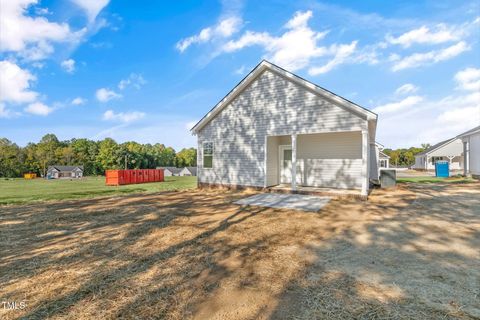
{"type": "Point", "coordinates": [38, 108]}
{"type": "Point", "coordinates": [31, 37]}
{"type": "Point", "coordinates": [468, 79]}
{"type": "Point", "coordinates": [123, 117]}
{"type": "Point", "coordinates": [406, 89]}
{"type": "Point", "coordinates": [424, 35]}
{"type": "Point", "coordinates": [68, 65]}
{"type": "Point", "coordinates": [434, 56]}
{"type": "Point", "coordinates": [104, 95]}
{"type": "Point", "coordinates": [293, 50]}
{"type": "Point", "coordinates": [134, 80]}
{"type": "Point", "coordinates": [342, 53]}
{"type": "Point", "coordinates": [15, 83]}
{"type": "Point", "coordinates": [78, 101]}
{"type": "Point", "coordinates": [4, 112]}
{"type": "Point", "coordinates": [223, 29]}
{"type": "Point", "coordinates": [91, 7]}
{"type": "Point", "coordinates": [406, 103]}
{"type": "Point", "coordinates": [241, 70]}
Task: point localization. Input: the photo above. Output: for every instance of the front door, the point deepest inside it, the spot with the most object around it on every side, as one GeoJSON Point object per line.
{"type": "Point", "coordinates": [285, 164]}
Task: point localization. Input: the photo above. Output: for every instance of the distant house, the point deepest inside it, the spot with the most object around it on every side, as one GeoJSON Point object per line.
{"type": "Point", "coordinates": [170, 171]}
{"type": "Point", "coordinates": [383, 159]}
{"type": "Point", "coordinates": [471, 152]}
{"type": "Point", "coordinates": [188, 171]}
{"type": "Point", "coordinates": [449, 150]}
{"type": "Point", "coordinates": [64, 172]}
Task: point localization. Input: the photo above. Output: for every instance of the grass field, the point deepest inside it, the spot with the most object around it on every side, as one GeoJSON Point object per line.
{"type": "Point", "coordinates": [435, 180]}
{"type": "Point", "coordinates": [24, 191]}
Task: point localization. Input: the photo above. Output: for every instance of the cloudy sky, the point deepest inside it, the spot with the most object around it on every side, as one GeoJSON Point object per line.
{"type": "Point", "coordinates": [148, 71]}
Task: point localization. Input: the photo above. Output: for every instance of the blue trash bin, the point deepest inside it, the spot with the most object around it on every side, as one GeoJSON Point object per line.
{"type": "Point", "coordinates": [442, 169]}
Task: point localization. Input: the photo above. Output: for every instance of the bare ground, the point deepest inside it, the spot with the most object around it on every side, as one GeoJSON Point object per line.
{"type": "Point", "coordinates": [410, 253]}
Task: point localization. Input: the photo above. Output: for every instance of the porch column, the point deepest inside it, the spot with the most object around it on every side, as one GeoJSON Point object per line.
{"type": "Point", "coordinates": [365, 164]}
{"type": "Point", "coordinates": [294, 162]}
{"type": "Point", "coordinates": [466, 156]}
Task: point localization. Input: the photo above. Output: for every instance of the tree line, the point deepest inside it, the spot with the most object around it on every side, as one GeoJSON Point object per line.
{"type": "Point", "coordinates": [404, 157]}
{"type": "Point", "coordinates": [95, 156]}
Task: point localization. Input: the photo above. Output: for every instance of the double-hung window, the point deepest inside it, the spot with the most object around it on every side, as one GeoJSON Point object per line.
{"type": "Point", "coordinates": [208, 154]}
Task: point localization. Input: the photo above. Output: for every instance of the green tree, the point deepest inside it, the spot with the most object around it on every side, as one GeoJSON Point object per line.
{"type": "Point", "coordinates": [46, 151]}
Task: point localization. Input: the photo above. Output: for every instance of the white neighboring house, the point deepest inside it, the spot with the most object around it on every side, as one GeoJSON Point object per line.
{"type": "Point", "coordinates": [275, 125]}
{"type": "Point", "coordinates": [450, 150]}
{"type": "Point", "coordinates": [188, 171]}
{"type": "Point", "coordinates": [170, 171]}
{"type": "Point", "coordinates": [471, 152]}
{"type": "Point", "coordinates": [382, 158]}
{"type": "Point", "coordinates": [64, 172]}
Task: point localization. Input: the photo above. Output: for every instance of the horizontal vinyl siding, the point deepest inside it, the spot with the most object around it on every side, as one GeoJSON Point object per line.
{"type": "Point", "coordinates": [475, 154]}
{"type": "Point", "coordinates": [270, 105]}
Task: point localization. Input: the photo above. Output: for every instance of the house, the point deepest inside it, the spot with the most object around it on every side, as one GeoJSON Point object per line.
{"type": "Point", "coordinates": [59, 172]}
{"type": "Point", "coordinates": [275, 125]}
{"type": "Point", "coordinates": [471, 152]}
{"type": "Point", "coordinates": [383, 159]}
{"type": "Point", "coordinates": [170, 171]}
{"type": "Point", "coordinates": [449, 150]}
{"type": "Point", "coordinates": [188, 171]}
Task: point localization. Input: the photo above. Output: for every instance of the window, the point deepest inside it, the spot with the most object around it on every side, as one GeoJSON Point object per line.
{"type": "Point", "coordinates": [208, 154]}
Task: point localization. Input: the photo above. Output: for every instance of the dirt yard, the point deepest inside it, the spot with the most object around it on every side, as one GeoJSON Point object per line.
{"type": "Point", "coordinates": [410, 253]}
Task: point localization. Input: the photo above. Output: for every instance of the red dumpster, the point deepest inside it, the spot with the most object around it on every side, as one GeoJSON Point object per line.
{"type": "Point", "coordinates": [114, 177]}
{"type": "Point", "coordinates": [160, 175]}
{"type": "Point", "coordinates": [156, 175]}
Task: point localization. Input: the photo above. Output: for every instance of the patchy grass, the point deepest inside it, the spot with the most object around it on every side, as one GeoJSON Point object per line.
{"type": "Point", "coordinates": [456, 179]}
{"type": "Point", "coordinates": [24, 191]}
{"type": "Point", "coordinates": [407, 253]}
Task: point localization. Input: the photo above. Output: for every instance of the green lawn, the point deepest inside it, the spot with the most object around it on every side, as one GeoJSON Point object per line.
{"type": "Point", "coordinates": [24, 191]}
{"type": "Point", "coordinates": [435, 180]}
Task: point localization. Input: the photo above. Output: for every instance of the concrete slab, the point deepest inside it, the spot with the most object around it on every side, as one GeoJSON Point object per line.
{"type": "Point", "coordinates": [286, 201]}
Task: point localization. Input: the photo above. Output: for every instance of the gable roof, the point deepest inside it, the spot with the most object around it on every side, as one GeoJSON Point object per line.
{"type": "Point", "coordinates": [383, 155]}
{"type": "Point", "coordinates": [469, 132]}
{"type": "Point", "coordinates": [173, 170]}
{"type": "Point", "coordinates": [192, 170]}
{"type": "Point", "coordinates": [265, 65]}
{"type": "Point", "coordinates": [436, 146]}
{"type": "Point", "coordinates": [65, 168]}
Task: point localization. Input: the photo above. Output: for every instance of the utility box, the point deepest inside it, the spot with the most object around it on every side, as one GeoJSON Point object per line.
{"type": "Point", "coordinates": [388, 178]}
{"type": "Point", "coordinates": [442, 169]}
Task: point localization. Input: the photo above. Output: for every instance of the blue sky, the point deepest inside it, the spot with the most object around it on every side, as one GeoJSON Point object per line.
{"type": "Point", "coordinates": [147, 71]}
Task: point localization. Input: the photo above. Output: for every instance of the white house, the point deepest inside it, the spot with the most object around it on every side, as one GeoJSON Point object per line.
{"type": "Point", "coordinates": [471, 152]}
{"type": "Point", "coordinates": [449, 150]}
{"type": "Point", "coordinates": [188, 171]}
{"type": "Point", "coordinates": [170, 171]}
{"type": "Point", "coordinates": [383, 159]}
{"type": "Point", "coordinates": [59, 172]}
{"type": "Point", "coordinates": [275, 125]}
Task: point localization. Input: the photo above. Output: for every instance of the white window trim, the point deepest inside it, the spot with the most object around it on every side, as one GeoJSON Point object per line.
{"type": "Point", "coordinates": [203, 154]}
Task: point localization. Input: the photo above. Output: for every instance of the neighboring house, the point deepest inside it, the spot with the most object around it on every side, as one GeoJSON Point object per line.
{"type": "Point", "coordinates": [188, 171]}
{"type": "Point", "coordinates": [170, 171]}
{"type": "Point", "coordinates": [449, 150]}
{"type": "Point", "coordinates": [471, 152]}
{"type": "Point", "coordinates": [275, 125]}
{"type": "Point", "coordinates": [383, 159]}
{"type": "Point", "coordinates": [59, 172]}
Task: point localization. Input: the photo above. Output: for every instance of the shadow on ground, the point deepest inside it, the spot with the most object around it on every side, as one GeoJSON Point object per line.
{"type": "Point", "coordinates": [408, 253]}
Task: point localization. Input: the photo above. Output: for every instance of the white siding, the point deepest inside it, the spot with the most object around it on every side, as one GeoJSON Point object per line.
{"type": "Point", "coordinates": [271, 105]}
{"type": "Point", "coordinates": [475, 154]}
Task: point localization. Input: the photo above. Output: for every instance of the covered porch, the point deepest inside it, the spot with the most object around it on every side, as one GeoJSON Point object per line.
{"type": "Point", "coordinates": [322, 163]}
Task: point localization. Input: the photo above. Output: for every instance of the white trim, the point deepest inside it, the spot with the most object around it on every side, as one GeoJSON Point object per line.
{"type": "Point", "coordinates": [203, 154]}
{"type": "Point", "coordinates": [281, 149]}
{"type": "Point", "coordinates": [294, 162]}
{"type": "Point", "coordinates": [265, 160]}
{"type": "Point", "coordinates": [258, 70]}
{"type": "Point", "coordinates": [365, 163]}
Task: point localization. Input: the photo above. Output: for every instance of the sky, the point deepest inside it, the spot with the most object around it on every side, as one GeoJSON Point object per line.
{"type": "Point", "coordinates": [149, 70]}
